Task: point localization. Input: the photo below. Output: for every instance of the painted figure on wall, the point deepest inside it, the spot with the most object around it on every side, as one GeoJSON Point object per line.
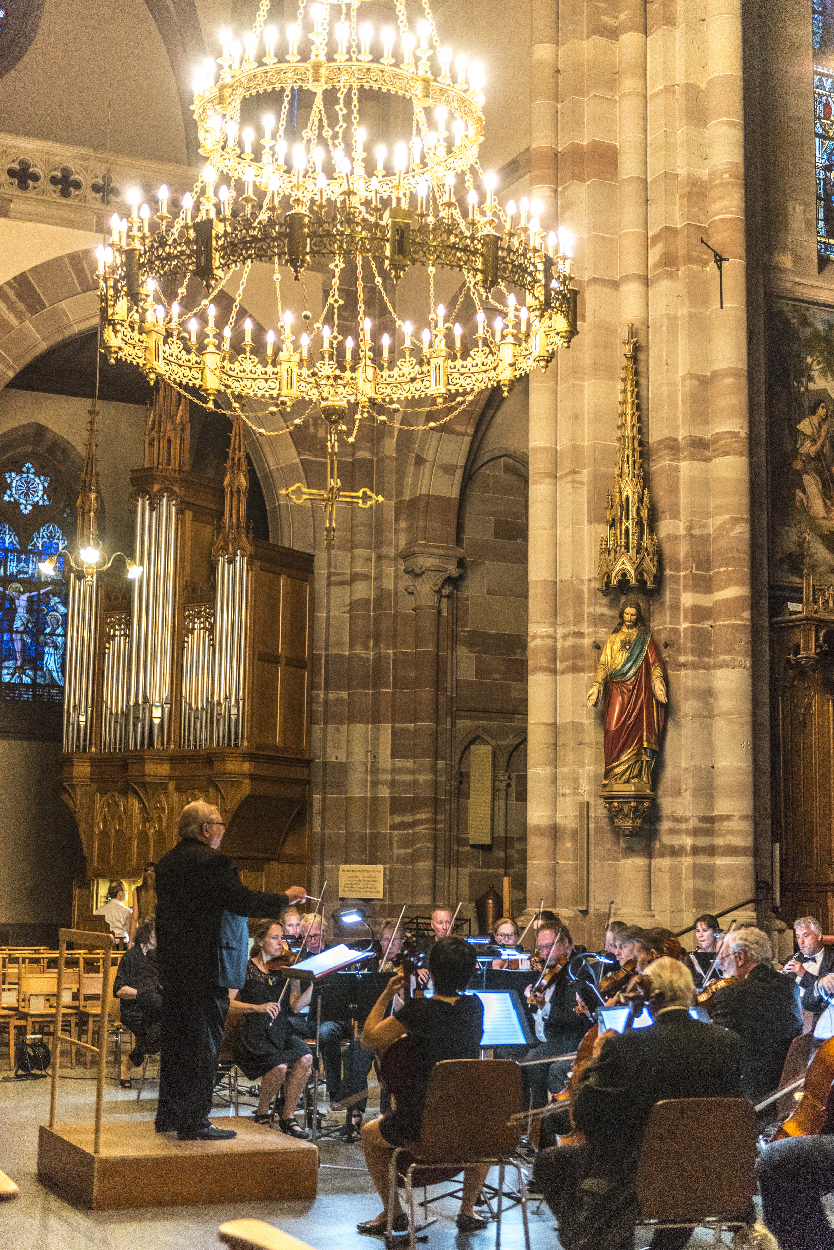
{"type": "Point", "coordinates": [813, 464]}
{"type": "Point", "coordinates": [630, 678]}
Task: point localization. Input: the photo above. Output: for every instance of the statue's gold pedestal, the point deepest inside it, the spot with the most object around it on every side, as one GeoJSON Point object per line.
{"type": "Point", "coordinates": [627, 805]}
{"type": "Point", "coordinates": [138, 1167]}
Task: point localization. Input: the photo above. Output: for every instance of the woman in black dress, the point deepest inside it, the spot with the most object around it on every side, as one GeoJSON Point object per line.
{"type": "Point", "coordinates": [264, 1045]}
{"type": "Point", "coordinates": [447, 1026]}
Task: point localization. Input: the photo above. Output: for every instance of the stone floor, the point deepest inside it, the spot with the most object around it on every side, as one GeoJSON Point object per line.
{"type": "Point", "coordinates": [37, 1219]}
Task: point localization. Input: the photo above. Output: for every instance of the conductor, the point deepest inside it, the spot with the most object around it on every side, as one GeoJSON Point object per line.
{"type": "Point", "coordinates": [195, 885]}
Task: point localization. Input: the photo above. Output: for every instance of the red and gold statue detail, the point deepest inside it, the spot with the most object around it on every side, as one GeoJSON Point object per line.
{"type": "Point", "coordinates": [630, 678]}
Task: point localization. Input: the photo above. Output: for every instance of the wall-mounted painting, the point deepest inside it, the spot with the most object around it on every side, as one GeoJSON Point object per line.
{"type": "Point", "coordinates": [800, 398]}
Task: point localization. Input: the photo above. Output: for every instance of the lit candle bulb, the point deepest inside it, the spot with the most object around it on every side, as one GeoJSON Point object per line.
{"type": "Point", "coordinates": [566, 241]}
{"type": "Point", "coordinates": [226, 38]}
{"type": "Point", "coordinates": [248, 138]}
{"type": "Point", "coordinates": [472, 199]}
{"type": "Point", "coordinates": [318, 158]}
{"type": "Point", "coordinates": [511, 211]}
{"type": "Point", "coordinates": [552, 240]}
{"type": "Point", "coordinates": [287, 324]}
{"type": "Point", "coordinates": [280, 150]}
{"type": "Point", "coordinates": [441, 318]}
{"type": "Point", "coordinates": [407, 329]}
{"type": "Point", "coordinates": [348, 350]}
{"type": "Point", "coordinates": [325, 339]}
{"type": "Point", "coordinates": [100, 257]}
{"type": "Point", "coordinates": [366, 326]}
{"type": "Point", "coordinates": [458, 333]}
{"type": "Point", "coordinates": [365, 33]}
{"type": "Point", "coordinates": [388, 37]}
{"type": "Point", "coordinates": [270, 345]}
{"type": "Point", "coordinates": [162, 196]}
{"type": "Point", "coordinates": [247, 332]}
{"type": "Point", "coordinates": [269, 123]}
{"type": "Point", "coordinates": [422, 195]}
{"type": "Point", "coordinates": [481, 320]}
{"type": "Point", "coordinates": [524, 209]}
{"type": "Point", "coordinates": [305, 343]}
{"type": "Point", "coordinates": [108, 255]}
{"type": "Point", "coordinates": [445, 57]}
{"type": "Point", "coordinates": [211, 313]}
{"type": "Point", "coordinates": [381, 154]}
{"type": "Point", "coordinates": [523, 314]}
{"type": "Point", "coordinates": [499, 326]}
{"type": "Point", "coordinates": [227, 338]}
{"type": "Point", "coordinates": [458, 128]}
{"type": "Point", "coordinates": [426, 340]}
{"type": "Point", "coordinates": [175, 313]}
{"type": "Point", "coordinates": [490, 182]}
{"type": "Point", "coordinates": [408, 47]}
{"type": "Point", "coordinates": [386, 342]}
{"type": "Point", "coordinates": [270, 38]}
{"type": "Point", "coordinates": [133, 198]}
{"type": "Point", "coordinates": [416, 149]}
{"type": "Point", "coordinates": [321, 188]}
{"type": "Point", "coordinates": [160, 314]}
{"type": "Point", "coordinates": [342, 33]}
{"type": "Point", "coordinates": [299, 157]}
{"type": "Point", "coordinates": [192, 327]}
{"type": "Point", "coordinates": [115, 222]}
{"type": "Point", "coordinates": [361, 136]}
{"type": "Point", "coordinates": [250, 43]}
{"type": "Point", "coordinates": [145, 214]}
{"type": "Point", "coordinates": [236, 50]}
{"type": "Point", "coordinates": [223, 196]}
{"type": "Point", "coordinates": [293, 36]}
{"type": "Point", "coordinates": [461, 63]}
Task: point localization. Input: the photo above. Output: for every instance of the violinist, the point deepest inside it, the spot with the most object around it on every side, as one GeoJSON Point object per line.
{"type": "Point", "coordinates": [760, 1005]}
{"type": "Point", "coordinates": [703, 957]}
{"type": "Point", "coordinates": [677, 1057]}
{"type": "Point", "coordinates": [552, 1001]}
{"type": "Point", "coordinates": [442, 919]}
{"type": "Point", "coordinates": [612, 933]}
{"type": "Point", "coordinates": [391, 941]}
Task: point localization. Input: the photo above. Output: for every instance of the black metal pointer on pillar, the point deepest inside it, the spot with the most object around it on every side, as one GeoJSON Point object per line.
{"type": "Point", "coordinates": [720, 262]}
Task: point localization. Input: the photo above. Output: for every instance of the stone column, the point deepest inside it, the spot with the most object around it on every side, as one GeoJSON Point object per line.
{"type": "Point", "coordinates": [542, 849]}
{"type": "Point", "coordinates": [430, 570]}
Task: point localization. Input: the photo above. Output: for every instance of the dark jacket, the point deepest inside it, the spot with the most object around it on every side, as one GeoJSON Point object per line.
{"type": "Point", "coordinates": [194, 885]}
{"type": "Point", "coordinates": [127, 977]}
{"type": "Point", "coordinates": [811, 1000]}
{"type": "Point", "coordinates": [563, 1025]}
{"type": "Point", "coordinates": [764, 1011]}
{"type": "Point", "coordinates": [676, 1057]}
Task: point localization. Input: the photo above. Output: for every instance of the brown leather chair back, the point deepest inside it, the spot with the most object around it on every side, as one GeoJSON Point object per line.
{"type": "Point", "coordinates": [697, 1160]}
{"type": "Point", "coordinates": [468, 1105]}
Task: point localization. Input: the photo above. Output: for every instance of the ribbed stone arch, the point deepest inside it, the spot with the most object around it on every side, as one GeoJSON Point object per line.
{"type": "Point", "coordinates": [43, 306]}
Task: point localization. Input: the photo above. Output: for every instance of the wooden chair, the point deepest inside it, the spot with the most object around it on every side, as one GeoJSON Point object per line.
{"type": "Point", "coordinates": [697, 1164]}
{"type": "Point", "coordinates": [466, 1120]}
{"type": "Point", "coordinates": [36, 1007]}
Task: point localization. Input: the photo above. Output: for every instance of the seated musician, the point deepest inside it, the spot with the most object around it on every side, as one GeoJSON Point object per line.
{"type": "Point", "coordinates": [506, 933]}
{"type": "Point", "coordinates": [447, 1026]}
{"type": "Point", "coordinates": [760, 1005]}
{"type": "Point", "coordinates": [290, 921]}
{"type": "Point", "coordinates": [703, 958]}
{"type": "Point", "coordinates": [612, 933]}
{"type": "Point", "coordinates": [559, 1029]}
{"type": "Point", "coordinates": [264, 1046]}
{"type": "Point", "coordinates": [391, 941]}
{"type": "Point", "coordinates": [624, 945]}
{"type": "Point", "coordinates": [794, 1175]}
{"type": "Point", "coordinates": [126, 989]}
{"type": "Point", "coordinates": [331, 1033]}
{"type": "Point", "coordinates": [590, 1187]}
{"type": "Point", "coordinates": [812, 962]}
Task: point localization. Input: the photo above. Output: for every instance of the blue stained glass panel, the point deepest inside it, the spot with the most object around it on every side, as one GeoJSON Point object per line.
{"type": "Point", "coordinates": [33, 615]}
{"type": "Point", "coordinates": [27, 488]}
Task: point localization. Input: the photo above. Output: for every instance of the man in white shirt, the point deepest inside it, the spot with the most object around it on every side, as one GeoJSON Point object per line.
{"type": "Point", "coordinates": [812, 961]}
{"type": "Point", "coordinates": [116, 911]}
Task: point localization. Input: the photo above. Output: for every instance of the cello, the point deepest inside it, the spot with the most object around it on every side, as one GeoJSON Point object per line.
{"type": "Point", "coordinates": [813, 1114]}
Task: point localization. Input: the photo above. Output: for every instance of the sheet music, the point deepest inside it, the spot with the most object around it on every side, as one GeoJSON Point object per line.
{"type": "Point", "coordinates": [502, 1026]}
{"type": "Point", "coordinates": [329, 961]}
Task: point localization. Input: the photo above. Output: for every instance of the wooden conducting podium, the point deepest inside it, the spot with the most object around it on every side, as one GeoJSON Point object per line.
{"type": "Point", "coordinates": [105, 1165]}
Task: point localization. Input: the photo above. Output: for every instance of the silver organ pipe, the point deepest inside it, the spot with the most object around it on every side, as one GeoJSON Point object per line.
{"type": "Point", "coordinates": [229, 651]}
{"type": "Point", "coordinates": [152, 622]}
{"type": "Point", "coordinates": [80, 664]}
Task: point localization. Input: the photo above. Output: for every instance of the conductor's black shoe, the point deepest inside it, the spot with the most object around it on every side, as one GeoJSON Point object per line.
{"type": "Point", "coordinates": [206, 1132]}
{"type": "Point", "coordinates": [470, 1224]}
{"type": "Point", "coordinates": [163, 1126]}
{"type": "Point", "coordinates": [375, 1228]}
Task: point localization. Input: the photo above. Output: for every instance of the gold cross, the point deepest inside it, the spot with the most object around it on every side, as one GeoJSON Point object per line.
{"type": "Point", "coordinates": [334, 493]}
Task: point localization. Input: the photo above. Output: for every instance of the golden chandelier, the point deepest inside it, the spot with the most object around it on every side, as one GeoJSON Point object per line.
{"type": "Point", "coordinates": [313, 192]}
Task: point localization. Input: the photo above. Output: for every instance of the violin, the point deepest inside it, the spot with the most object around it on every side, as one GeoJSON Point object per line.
{"type": "Point", "coordinates": [617, 981]}
{"type": "Point", "coordinates": [543, 982]}
{"type": "Point", "coordinates": [704, 997]}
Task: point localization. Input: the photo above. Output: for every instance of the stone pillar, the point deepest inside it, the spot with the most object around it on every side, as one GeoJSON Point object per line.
{"type": "Point", "coordinates": [430, 570]}
{"type": "Point", "coordinates": [542, 849]}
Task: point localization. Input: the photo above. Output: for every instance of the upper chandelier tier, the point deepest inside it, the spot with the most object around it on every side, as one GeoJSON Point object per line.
{"type": "Point", "coordinates": [327, 187]}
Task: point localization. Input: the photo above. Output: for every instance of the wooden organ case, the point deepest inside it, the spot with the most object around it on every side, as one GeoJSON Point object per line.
{"type": "Point", "coordinates": [192, 681]}
{"type": "Point", "coordinates": [802, 729]}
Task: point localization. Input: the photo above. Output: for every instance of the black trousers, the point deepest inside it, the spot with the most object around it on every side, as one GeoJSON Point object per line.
{"type": "Point", "coordinates": [193, 1020]}
{"type": "Point", "coordinates": [593, 1218]}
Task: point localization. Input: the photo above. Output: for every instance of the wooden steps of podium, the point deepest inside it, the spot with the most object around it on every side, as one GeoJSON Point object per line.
{"type": "Point", "coordinates": [138, 1167]}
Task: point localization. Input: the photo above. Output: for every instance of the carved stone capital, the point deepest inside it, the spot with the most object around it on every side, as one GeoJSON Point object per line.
{"type": "Point", "coordinates": [431, 569]}
{"type": "Point", "coordinates": [628, 808]}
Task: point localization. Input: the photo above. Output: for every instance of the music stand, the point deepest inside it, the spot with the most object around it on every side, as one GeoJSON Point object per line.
{"type": "Point", "coordinates": [311, 970]}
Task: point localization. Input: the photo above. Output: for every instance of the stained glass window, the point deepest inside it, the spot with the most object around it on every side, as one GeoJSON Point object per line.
{"type": "Point", "coordinates": [822, 17]}
{"type": "Point", "coordinates": [33, 617]}
{"type": "Point", "coordinates": [27, 489]}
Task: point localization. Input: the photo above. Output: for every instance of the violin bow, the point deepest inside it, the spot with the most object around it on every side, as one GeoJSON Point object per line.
{"type": "Point", "coordinates": [545, 968]}
{"type": "Point", "coordinates": [393, 935]}
{"type": "Point", "coordinates": [320, 903]}
{"type": "Point", "coordinates": [530, 921]}
{"type": "Point", "coordinates": [454, 918]}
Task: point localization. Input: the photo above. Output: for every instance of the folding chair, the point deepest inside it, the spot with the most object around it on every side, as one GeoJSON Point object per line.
{"type": "Point", "coordinates": [466, 1120]}
{"type": "Point", "coordinates": [697, 1164]}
